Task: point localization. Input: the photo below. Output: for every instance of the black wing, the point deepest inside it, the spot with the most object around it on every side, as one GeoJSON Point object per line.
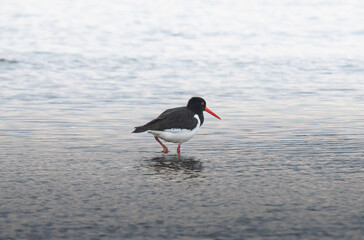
{"type": "Point", "coordinates": [180, 117]}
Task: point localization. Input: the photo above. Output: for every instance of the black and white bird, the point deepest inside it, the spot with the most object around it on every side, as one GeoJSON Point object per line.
{"type": "Point", "coordinates": [177, 125]}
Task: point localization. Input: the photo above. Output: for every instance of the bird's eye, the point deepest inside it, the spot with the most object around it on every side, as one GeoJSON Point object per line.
{"type": "Point", "coordinates": [202, 103]}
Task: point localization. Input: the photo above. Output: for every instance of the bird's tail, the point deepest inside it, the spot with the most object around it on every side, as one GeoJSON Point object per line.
{"type": "Point", "coordinates": [139, 129]}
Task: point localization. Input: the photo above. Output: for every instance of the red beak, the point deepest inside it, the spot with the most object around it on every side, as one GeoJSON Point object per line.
{"type": "Point", "coordinates": [212, 113]}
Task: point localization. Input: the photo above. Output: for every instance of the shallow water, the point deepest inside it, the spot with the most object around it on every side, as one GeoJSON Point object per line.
{"type": "Point", "coordinates": [285, 162]}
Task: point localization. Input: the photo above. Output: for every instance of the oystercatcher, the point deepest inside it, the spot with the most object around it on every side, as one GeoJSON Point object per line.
{"type": "Point", "coordinates": [177, 125]}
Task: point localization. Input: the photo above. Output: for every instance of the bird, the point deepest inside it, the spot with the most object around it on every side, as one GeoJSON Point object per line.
{"type": "Point", "coordinates": [177, 125]}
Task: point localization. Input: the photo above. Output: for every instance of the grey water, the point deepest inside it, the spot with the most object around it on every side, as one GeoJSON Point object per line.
{"type": "Point", "coordinates": [285, 162]}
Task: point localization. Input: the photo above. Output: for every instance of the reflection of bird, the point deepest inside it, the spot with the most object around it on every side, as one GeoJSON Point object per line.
{"type": "Point", "coordinates": [177, 125]}
{"type": "Point", "coordinates": [169, 164]}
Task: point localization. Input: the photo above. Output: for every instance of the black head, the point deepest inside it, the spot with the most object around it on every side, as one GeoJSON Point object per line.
{"type": "Point", "coordinates": [197, 104]}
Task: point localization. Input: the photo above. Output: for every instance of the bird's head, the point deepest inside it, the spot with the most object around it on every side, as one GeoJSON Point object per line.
{"type": "Point", "coordinates": [198, 105]}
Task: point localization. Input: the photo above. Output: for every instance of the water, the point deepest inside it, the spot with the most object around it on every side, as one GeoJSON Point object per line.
{"type": "Point", "coordinates": [285, 162]}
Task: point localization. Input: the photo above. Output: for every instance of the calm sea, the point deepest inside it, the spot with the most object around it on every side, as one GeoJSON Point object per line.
{"type": "Point", "coordinates": [285, 162]}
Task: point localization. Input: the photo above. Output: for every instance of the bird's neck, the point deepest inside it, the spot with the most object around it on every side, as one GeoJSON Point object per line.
{"type": "Point", "coordinates": [200, 116]}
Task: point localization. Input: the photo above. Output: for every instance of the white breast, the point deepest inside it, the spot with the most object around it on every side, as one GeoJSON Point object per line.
{"type": "Point", "coordinates": [177, 135]}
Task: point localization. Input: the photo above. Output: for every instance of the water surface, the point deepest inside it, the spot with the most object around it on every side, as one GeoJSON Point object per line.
{"type": "Point", "coordinates": [285, 162]}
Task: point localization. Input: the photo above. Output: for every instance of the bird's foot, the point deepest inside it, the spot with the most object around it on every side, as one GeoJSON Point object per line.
{"type": "Point", "coordinates": [165, 149]}
{"type": "Point", "coordinates": [179, 150]}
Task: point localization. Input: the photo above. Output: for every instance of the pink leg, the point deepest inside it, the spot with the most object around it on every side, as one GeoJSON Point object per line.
{"type": "Point", "coordinates": [179, 149]}
{"type": "Point", "coordinates": [165, 149]}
